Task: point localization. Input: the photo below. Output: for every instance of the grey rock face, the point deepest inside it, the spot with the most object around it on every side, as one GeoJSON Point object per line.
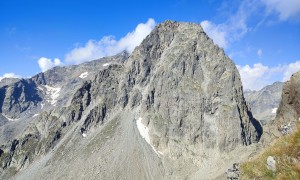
{"type": "Point", "coordinates": [18, 97]}
{"type": "Point", "coordinates": [184, 89]}
{"type": "Point", "coordinates": [264, 103]}
{"type": "Point", "coordinates": [288, 112]}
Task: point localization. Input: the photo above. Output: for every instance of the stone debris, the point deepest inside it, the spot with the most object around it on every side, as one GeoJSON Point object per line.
{"type": "Point", "coordinates": [286, 129]}
{"type": "Point", "coordinates": [234, 172]}
{"type": "Point", "coordinates": [271, 163]}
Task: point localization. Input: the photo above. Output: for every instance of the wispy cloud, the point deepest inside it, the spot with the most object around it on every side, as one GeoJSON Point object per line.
{"type": "Point", "coordinates": [259, 53]}
{"type": "Point", "coordinates": [259, 75]}
{"type": "Point", "coordinates": [237, 23]}
{"type": "Point", "coordinates": [287, 9]}
{"type": "Point", "coordinates": [234, 28]}
{"type": "Point", "coordinates": [11, 30]}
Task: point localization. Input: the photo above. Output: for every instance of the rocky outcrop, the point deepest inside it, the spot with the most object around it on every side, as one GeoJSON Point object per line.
{"type": "Point", "coordinates": [7, 81]}
{"type": "Point", "coordinates": [288, 113]}
{"type": "Point", "coordinates": [37, 140]}
{"type": "Point", "coordinates": [18, 97]}
{"type": "Point", "coordinates": [264, 103]}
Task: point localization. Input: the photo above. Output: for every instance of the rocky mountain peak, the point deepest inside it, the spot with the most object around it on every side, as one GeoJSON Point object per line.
{"type": "Point", "coordinates": [175, 105]}
{"type": "Point", "coordinates": [187, 81]}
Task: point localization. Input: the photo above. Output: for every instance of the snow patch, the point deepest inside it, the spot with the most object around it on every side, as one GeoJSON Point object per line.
{"type": "Point", "coordinates": [53, 93]}
{"type": "Point", "coordinates": [42, 105]}
{"type": "Point", "coordinates": [106, 64]}
{"type": "Point", "coordinates": [274, 110]}
{"type": "Point", "coordinates": [84, 75]}
{"type": "Point", "coordinates": [144, 132]}
{"type": "Point", "coordinates": [84, 135]}
{"type": "Point", "coordinates": [40, 88]}
{"type": "Point", "coordinates": [35, 115]}
{"type": "Point", "coordinates": [160, 153]}
{"type": "Point", "coordinates": [10, 119]}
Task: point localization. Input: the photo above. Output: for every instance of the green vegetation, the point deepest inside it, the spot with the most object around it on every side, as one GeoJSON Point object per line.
{"type": "Point", "coordinates": [286, 151]}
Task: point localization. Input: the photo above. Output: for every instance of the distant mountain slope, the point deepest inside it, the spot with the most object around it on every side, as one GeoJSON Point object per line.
{"type": "Point", "coordinates": [22, 100]}
{"type": "Point", "coordinates": [264, 103]}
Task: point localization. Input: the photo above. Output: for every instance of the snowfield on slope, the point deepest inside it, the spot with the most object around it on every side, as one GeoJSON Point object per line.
{"type": "Point", "coordinates": [84, 75]}
{"type": "Point", "coordinates": [10, 119]}
{"type": "Point", "coordinates": [106, 64]}
{"type": "Point", "coordinates": [144, 132]}
{"type": "Point", "coordinates": [35, 115]}
{"type": "Point", "coordinates": [53, 93]}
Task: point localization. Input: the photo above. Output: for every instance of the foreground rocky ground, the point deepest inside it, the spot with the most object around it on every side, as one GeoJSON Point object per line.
{"type": "Point", "coordinates": [281, 159]}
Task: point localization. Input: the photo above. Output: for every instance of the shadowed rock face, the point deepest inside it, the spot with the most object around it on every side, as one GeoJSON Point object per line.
{"type": "Point", "coordinates": [18, 97]}
{"type": "Point", "coordinates": [184, 89]}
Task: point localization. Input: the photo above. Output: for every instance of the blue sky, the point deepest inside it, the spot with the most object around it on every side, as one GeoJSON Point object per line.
{"type": "Point", "coordinates": [261, 36]}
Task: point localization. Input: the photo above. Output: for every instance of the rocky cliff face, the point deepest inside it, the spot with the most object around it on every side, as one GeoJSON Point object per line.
{"type": "Point", "coordinates": [288, 112]}
{"type": "Point", "coordinates": [173, 109]}
{"type": "Point", "coordinates": [264, 103]}
{"type": "Point", "coordinates": [18, 97]}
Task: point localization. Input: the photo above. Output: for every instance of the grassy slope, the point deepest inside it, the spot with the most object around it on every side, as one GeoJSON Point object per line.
{"type": "Point", "coordinates": [286, 151]}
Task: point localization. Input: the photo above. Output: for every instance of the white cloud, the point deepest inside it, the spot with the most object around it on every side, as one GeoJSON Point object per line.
{"type": "Point", "coordinates": [285, 8]}
{"type": "Point", "coordinates": [9, 75]}
{"type": "Point", "coordinates": [108, 45]}
{"type": "Point", "coordinates": [291, 69]}
{"type": "Point", "coordinates": [259, 53]}
{"type": "Point", "coordinates": [252, 76]}
{"type": "Point", "coordinates": [215, 32]}
{"type": "Point", "coordinates": [46, 63]}
{"type": "Point", "coordinates": [259, 75]}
